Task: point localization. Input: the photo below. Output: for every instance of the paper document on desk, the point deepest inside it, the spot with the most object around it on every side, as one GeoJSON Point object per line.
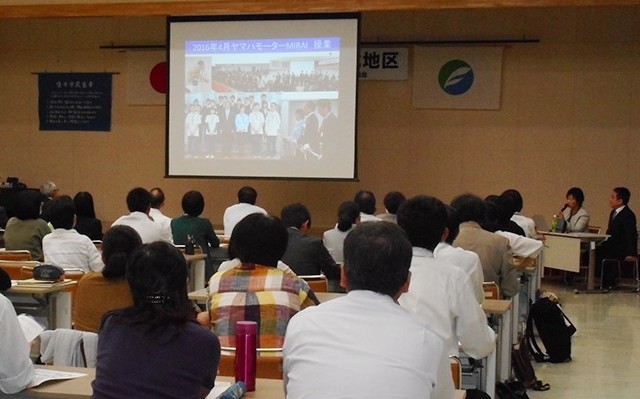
{"type": "Point", "coordinates": [30, 327]}
{"type": "Point", "coordinates": [43, 375]}
{"type": "Point", "coordinates": [218, 389]}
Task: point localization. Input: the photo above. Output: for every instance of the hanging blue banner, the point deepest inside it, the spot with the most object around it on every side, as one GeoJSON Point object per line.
{"type": "Point", "coordinates": [75, 101]}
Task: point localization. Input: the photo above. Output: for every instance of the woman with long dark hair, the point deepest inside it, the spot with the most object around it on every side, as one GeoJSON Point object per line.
{"type": "Point", "coordinates": [86, 221]}
{"type": "Point", "coordinates": [155, 348]}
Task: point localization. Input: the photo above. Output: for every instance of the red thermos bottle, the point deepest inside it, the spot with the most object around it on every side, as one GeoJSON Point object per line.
{"type": "Point", "coordinates": [246, 343]}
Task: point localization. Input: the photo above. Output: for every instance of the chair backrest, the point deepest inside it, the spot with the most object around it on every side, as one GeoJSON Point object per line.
{"type": "Point", "coordinates": [268, 363]}
{"type": "Point", "coordinates": [15, 269]}
{"type": "Point", "coordinates": [456, 371]}
{"type": "Point", "coordinates": [594, 229]}
{"type": "Point", "coordinates": [491, 290]}
{"type": "Point", "coordinates": [317, 283]}
{"type": "Point", "coordinates": [18, 255]}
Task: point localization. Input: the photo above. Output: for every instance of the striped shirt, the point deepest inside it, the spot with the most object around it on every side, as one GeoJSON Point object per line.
{"type": "Point", "coordinates": [257, 293]}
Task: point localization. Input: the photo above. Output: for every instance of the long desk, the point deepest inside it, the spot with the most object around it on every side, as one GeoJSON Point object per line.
{"type": "Point", "coordinates": [55, 298]}
{"type": "Point", "coordinates": [562, 251]}
{"type": "Point", "coordinates": [80, 388]}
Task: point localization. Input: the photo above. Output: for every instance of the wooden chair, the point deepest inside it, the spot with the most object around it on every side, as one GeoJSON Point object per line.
{"type": "Point", "coordinates": [317, 283]}
{"type": "Point", "coordinates": [15, 268]}
{"type": "Point", "coordinates": [491, 290]}
{"type": "Point", "coordinates": [456, 371]}
{"type": "Point", "coordinates": [17, 255]}
{"type": "Point", "coordinates": [268, 363]}
{"type": "Point", "coordinates": [594, 229]}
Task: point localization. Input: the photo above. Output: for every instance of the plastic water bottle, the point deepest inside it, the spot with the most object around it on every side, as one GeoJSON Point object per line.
{"type": "Point", "coordinates": [190, 246]}
{"type": "Point", "coordinates": [235, 391]}
{"type": "Point", "coordinates": [246, 344]}
{"type": "Point", "coordinates": [554, 224]}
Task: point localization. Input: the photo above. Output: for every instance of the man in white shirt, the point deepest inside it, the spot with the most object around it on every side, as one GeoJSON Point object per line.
{"type": "Point", "coordinates": [364, 345]}
{"type": "Point", "coordinates": [16, 368]}
{"type": "Point", "coordinates": [246, 205]}
{"type": "Point", "coordinates": [64, 246]}
{"type": "Point", "coordinates": [367, 203]}
{"type": "Point", "coordinates": [139, 204]}
{"type": "Point", "coordinates": [157, 202]}
{"type": "Point", "coordinates": [441, 295]}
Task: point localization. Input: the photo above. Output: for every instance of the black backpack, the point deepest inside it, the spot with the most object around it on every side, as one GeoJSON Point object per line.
{"type": "Point", "coordinates": [555, 331]}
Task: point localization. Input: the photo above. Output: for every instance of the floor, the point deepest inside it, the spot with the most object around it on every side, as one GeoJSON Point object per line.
{"type": "Point", "coordinates": [605, 349]}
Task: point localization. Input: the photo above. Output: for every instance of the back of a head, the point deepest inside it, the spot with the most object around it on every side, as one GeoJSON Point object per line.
{"type": "Point", "coordinates": [424, 219]}
{"type": "Point", "coordinates": [453, 224]}
{"type": "Point", "coordinates": [377, 258]}
{"type": "Point", "coordinates": [366, 201]}
{"type": "Point", "coordinates": [138, 200]}
{"type": "Point", "coordinates": [157, 277]}
{"type": "Point", "coordinates": [118, 244]}
{"type": "Point", "coordinates": [28, 205]}
{"type": "Point", "coordinates": [513, 200]}
{"type": "Point", "coordinates": [503, 211]}
{"type": "Point", "coordinates": [295, 215]}
{"type": "Point", "coordinates": [193, 203]}
{"type": "Point", "coordinates": [84, 204]}
{"type": "Point", "coordinates": [247, 195]}
{"type": "Point", "coordinates": [623, 193]}
{"type": "Point", "coordinates": [48, 188]}
{"type": "Point", "coordinates": [469, 207]}
{"type": "Point", "coordinates": [157, 197]}
{"type": "Point", "coordinates": [61, 212]}
{"type": "Point", "coordinates": [348, 213]}
{"type": "Point", "coordinates": [393, 200]}
{"type": "Point", "coordinates": [260, 239]}
{"type": "Point", "coordinates": [490, 222]}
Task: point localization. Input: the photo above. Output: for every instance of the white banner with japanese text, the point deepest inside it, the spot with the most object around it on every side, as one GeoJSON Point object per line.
{"type": "Point", "coordinates": [383, 63]}
{"type": "Point", "coordinates": [457, 77]}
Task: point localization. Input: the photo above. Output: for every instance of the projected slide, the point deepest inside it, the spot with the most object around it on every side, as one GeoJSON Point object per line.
{"type": "Point", "coordinates": [262, 98]}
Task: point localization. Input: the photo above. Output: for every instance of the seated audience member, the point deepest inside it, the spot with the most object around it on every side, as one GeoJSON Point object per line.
{"type": "Point", "coordinates": [155, 348]}
{"type": "Point", "coordinates": [197, 227]}
{"type": "Point", "coordinates": [3, 218]}
{"type": "Point", "coordinates": [101, 292]}
{"type": "Point", "coordinates": [5, 281]}
{"type": "Point", "coordinates": [256, 290]}
{"type": "Point", "coordinates": [157, 202]}
{"type": "Point", "coordinates": [366, 201]}
{"type": "Point", "coordinates": [64, 246]}
{"type": "Point", "coordinates": [503, 215]}
{"type": "Point", "coordinates": [495, 254]}
{"type": "Point", "coordinates": [139, 204]}
{"type": "Point", "coordinates": [16, 368]}
{"type": "Point", "coordinates": [364, 345]}
{"type": "Point", "coordinates": [26, 229]}
{"type": "Point", "coordinates": [466, 260]}
{"type": "Point", "coordinates": [348, 216]}
{"type": "Point", "coordinates": [524, 249]}
{"type": "Point", "coordinates": [246, 205]}
{"type": "Point", "coordinates": [392, 202]}
{"type": "Point", "coordinates": [305, 255]}
{"type": "Point", "coordinates": [441, 295]}
{"type": "Point", "coordinates": [86, 221]}
{"type": "Point", "coordinates": [576, 218]}
{"type": "Point", "coordinates": [48, 192]}
{"type": "Point", "coordinates": [623, 243]}
{"type": "Point", "coordinates": [515, 203]}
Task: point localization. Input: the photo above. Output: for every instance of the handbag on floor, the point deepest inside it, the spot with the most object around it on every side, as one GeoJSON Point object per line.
{"type": "Point", "coordinates": [523, 369]}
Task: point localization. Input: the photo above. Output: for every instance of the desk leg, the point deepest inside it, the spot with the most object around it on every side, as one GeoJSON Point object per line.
{"type": "Point", "coordinates": [591, 273]}
{"type": "Point", "coordinates": [198, 268]}
{"type": "Point", "coordinates": [60, 310]}
{"type": "Point", "coordinates": [504, 370]}
{"type": "Point", "coordinates": [490, 375]}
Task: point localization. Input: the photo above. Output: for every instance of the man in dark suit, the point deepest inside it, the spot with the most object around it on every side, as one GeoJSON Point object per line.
{"type": "Point", "coordinates": [328, 130]}
{"type": "Point", "coordinates": [305, 255]}
{"type": "Point", "coordinates": [310, 138]}
{"type": "Point", "coordinates": [623, 243]}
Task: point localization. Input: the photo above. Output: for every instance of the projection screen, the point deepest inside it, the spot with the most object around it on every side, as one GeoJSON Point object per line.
{"type": "Point", "coordinates": [262, 96]}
